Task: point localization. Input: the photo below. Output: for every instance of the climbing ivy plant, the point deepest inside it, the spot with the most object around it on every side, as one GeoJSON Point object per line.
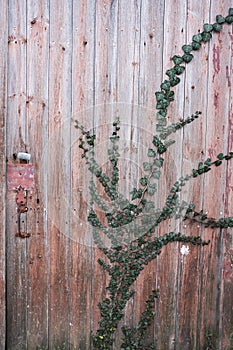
{"type": "Point", "coordinates": [125, 231]}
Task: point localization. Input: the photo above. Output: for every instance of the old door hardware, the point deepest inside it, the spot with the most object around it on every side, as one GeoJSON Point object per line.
{"type": "Point", "coordinates": [21, 201]}
{"type": "Point", "coordinates": [20, 178]}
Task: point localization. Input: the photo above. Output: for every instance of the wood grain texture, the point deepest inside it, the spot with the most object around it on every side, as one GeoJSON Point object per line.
{"type": "Point", "coordinates": [92, 61]}
{"type": "Point", "coordinates": [59, 181]}
{"type": "Point", "coordinates": [37, 139]}
{"type": "Point", "coordinates": [16, 254]}
{"type": "Point", "coordinates": [81, 250]}
{"type": "Point", "coordinates": [3, 110]}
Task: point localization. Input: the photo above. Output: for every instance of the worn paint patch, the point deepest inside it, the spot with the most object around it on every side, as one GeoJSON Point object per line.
{"type": "Point", "coordinates": [20, 175]}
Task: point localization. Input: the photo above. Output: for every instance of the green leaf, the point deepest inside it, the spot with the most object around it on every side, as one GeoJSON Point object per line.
{"type": "Point", "coordinates": [230, 12]}
{"type": "Point", "coordinates": [156, 174]}
{"type": "Point", "coordinates": [196, 45]}
{"type": "Point", "coordinates": [220, 19]}
{"type": "Point", "coordinates": [170, 73]}
{"type": "Point", "coordinates": [187, 48]}
{"type": "Point", "coordinates": [206, 36]}
{"type": "Point", "coordinates": [177, 59]}
{"type": "Point", "coordinates": [217, 27]}
{"type": "Point", "coordinates": [229, 19]}
{"type": "Point", "coordinates": [179, 69]}
{"type": "Point", "coordinates": [187, 57]}
{"type": "Point", "coordinates": [152, 188]}
{"type": "Point", "coordinates": [162, 104]}
{"type": "Point", "coordinates": [208, 27]}
{"type": "Point", "coordinates": [151, 153]}
{"type": "Point", "coordinates": [208, 161]}
{"type": "Point", "coordinates": [197, 38]}
{"type": "Point", "coordinates": [159, 162]}
{"type": "Point", "coordinates": [174, 81]}
{"type": "Point", "coordinates": [220, 156]}
{"type": "Point", "coordinates": [136, 193]}
{"type": "Point", "coordinates": [147, 166]}
{"type": "Point", "coordinates": [143, 181]}
{"type": "Point", "coordinates": [165, 85]}
{"type": "Point", "coordinates": [159, 96]}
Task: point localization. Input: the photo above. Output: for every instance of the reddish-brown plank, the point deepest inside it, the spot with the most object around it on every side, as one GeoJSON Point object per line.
{"type": "Point", "coordinates": [60, 63]}
{"type": "Point", "coordinates": [37, 138]}
{"type": "Point", "coordinates": [3, 105]}
{"type": "Point", "coordinates": [149, 78]}
{"type": "Point", "coordinates": [168, 281]}
{"type": "Point", "coordinates": [105, 87]}
{"type": "Point", "coordinates": [16, 331]}
{"type": "Point", "coordinates": [192, 154]}
{"type": "Point", "coordinates": [81, 292]}
{"type": "Point", "coordinates": [212, 281]}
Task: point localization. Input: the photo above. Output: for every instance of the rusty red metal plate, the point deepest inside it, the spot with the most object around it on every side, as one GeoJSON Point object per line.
{"type": "Point", "coordinates": [20, 175]}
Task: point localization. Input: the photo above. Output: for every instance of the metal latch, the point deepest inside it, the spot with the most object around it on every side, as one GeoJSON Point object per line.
{"type": "Point", "coordinates": [20, 178]}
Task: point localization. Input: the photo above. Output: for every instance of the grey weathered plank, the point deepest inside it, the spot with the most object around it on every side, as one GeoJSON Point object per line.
{"type": "Point", "coordinates": [59, 171]}
{"type": "Point", "coordinates": [16, 141]}
{"type": "Point", "coordinates": [37, 138]}
{"type": "Point", "coordinates": [81, 233]}
{"type": "Point", "coordinates": [3, 104]}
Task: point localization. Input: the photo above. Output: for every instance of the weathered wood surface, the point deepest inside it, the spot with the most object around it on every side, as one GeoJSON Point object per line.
{"type": "Point", "coordinates": [3, 101]}
{"type": "Point", "coordinates": [90, 60]}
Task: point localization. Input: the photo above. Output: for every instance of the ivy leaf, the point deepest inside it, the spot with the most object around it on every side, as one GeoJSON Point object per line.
{"type": "Point", "coordinates": [159, 162]}
{"type": "Point", "coordinates": [151, 153]}
{"type": "Point", "coordinates": [159, 96]}
{"type": "Point", "coordinates": [156, 174]}
{"type": "Point", "coordinates": [177, 59]}
{"type": "Point", "coordinates": [187, 57]}
{"type": "Point", "coordinates": [147, 166]}
{"type": "Point", "coordinates": [208, 161]}
{"type": "Point", "coordinates": [220, 156]}
{"type": "Point", "coordinates": [206, 36]}
{"type": "Point", "coordinates": [220, 19]}
{"type": "Point", "coordinates": [165, 85]}
{"type": "Point", "coordinates": [187, 48]}
{"type": "Point", "coordinates": [152, 188]}
{"type": "Point", "coordinates": [229, 19]}
{"type": "Point", "coordinates": [217, 27]}
{"type": "Point", "coordinates": [174, 81]}
{"type": "Point", "coordinates": [136, 193]}
{"type": "Point", "coordinates": [179, 69]}
{"type": "Point", "coordinates": [208, 27]}
{"type": "Point", "coordinates": [196, 45]}
{"type": "Point", "coordinates": [143, 181]}
{"type": "Point", "coordinates": [197, 38]}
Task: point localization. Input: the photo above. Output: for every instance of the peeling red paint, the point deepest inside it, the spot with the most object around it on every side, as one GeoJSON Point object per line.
{"type": "Point", "coordinates": [20, 175]}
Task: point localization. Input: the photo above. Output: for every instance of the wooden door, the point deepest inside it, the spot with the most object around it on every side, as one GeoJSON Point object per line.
{"type": "Point", "coordinates": [65, 60]}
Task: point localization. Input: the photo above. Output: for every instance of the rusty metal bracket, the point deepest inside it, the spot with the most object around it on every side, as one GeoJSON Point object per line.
{"type": "Point", "coordinates": [20, 178]}
{"type": "Point", "coordinates": [21, 201]}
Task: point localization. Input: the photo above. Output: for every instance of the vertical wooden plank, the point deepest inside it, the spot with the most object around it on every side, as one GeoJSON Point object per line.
{"type": "Point", "coordinates": [150, 76]}
{"type": "Point", "coordinates": [193, 153]}
{"type": "Point", "coordinates": [37, 136]}
{"type": "Point", "coordinates": [227, 267]}
{"type": "Point", "coordinates": [81, 232]}
{"type": "Point", "coordinates": [16, 141]}
{"type": "Point", "coordinates": [168, 281]}
{"type": "Point", "coordinates": [3, 102]}
{"type": "Point", "coordinates": [212, 315]}
{"type": "Point", "coordinates": [128, 63]}
{"type": "Point", "coordinates": [106, 94]}
{"type": "Point", "coordinates": [59, 170]}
